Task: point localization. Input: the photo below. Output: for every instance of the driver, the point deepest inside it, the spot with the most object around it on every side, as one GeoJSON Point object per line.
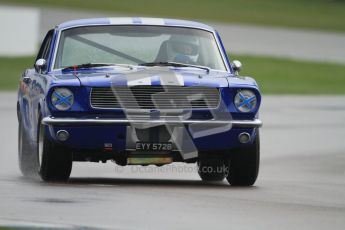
{"type": "Point", "coordinates": [183, 49]}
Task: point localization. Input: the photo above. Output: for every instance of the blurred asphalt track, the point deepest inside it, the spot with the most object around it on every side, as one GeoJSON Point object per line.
{"type": "Point", "coordinates": [301, 183]}
{"type": "Point", "coordinates": [240, 39]}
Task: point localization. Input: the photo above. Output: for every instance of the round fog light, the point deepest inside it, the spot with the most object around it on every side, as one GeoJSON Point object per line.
{"type": "Point", "coordinates": [244, 138]}
{"type": "Point", "coordinates": [62, 135]}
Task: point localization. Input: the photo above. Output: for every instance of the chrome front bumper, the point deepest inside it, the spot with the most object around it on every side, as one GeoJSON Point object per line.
{"type": "Point", "coordinates": [256, 123]}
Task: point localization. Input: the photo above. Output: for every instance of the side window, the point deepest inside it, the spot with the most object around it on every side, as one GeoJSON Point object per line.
{"type": "Point", "coordinates": [45, 47]}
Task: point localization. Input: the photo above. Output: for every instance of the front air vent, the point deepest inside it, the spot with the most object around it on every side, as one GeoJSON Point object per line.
{"type": "Point", "coordinates": [155, 97]}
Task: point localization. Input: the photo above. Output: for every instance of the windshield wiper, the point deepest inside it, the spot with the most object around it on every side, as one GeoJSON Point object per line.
{"type": "Point", "coordinates": [91, 65]}
{"type": "Point", "coordinates": [86, 66]}
{"type": "Point", "coordinates": [174, 64]}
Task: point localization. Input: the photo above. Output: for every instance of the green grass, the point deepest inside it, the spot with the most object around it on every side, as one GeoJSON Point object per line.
{"type": "Point", "coordinates": [11, 70]}
{"type": "Point", "coordinates": [275, 76]}
{"type": "Point", "coordinates": [313, 14]}
{"type": "Point", "coordinates": [284, 76]}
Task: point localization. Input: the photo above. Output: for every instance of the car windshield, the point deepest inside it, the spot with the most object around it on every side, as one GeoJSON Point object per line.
{"type": "Point", "coordinates": [137, 45]}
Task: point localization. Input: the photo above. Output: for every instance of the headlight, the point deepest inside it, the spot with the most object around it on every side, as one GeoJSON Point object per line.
{"type": "Point", "coordinates": [62, 98]}
{"type": "Point", "coordinates": [245, 101]}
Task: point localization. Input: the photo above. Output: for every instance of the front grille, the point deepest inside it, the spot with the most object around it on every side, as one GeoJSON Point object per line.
{"type": "Point", "coordinates": [155, 97]}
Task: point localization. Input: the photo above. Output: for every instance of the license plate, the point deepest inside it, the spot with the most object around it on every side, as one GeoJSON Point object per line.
{"type": "Point", "coordinates": [149, 146]}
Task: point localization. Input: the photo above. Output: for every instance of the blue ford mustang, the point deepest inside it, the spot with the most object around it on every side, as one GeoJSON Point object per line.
{"type": "Point", "coordinates": [137, 91]}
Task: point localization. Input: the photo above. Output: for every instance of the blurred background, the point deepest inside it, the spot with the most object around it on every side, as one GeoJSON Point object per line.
{"type": "Point", "coordinates": [290, 47]}
{"type": "Point", "coordinates": [294, 48]}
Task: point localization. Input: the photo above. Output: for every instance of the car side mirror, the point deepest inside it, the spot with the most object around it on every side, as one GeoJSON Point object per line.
{"type": "Point", "coordinates": [236, 66]}
{"type": "Point", "coordinates": [41, 65]}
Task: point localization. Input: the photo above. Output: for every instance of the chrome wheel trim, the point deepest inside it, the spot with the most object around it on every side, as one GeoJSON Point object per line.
{"type": "Point", "coordinates": [40, 144]}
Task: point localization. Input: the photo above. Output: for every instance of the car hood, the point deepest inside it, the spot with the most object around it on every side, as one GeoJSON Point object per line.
{"type": "Point", "coordinates": [149, 76]}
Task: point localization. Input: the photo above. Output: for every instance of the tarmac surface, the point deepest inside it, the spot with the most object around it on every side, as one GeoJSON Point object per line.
{"type": "Point", "coordinates": [301, 184]}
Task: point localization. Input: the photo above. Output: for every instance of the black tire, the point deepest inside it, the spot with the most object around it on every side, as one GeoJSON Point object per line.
{"type": "Point", "coordinates": [55, 161]}
{"type": "Point", "coordinates": [212, 170]}
{"type": "Point", "coordinates": [27, 159]}
{"type": "Point", "coordinates": [244, 164]}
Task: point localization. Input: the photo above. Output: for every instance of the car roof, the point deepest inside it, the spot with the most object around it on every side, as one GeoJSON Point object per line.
{"type": "Point", "coordinates": [133, 21]}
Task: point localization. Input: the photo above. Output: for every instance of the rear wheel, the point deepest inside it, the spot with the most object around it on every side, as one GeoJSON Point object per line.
{"type": "Point", "coordinates": [244, 164]}
{"type": "Point", "coordinates": [55, 161]}
{"type": "Point", "coordinates": [212, 170]}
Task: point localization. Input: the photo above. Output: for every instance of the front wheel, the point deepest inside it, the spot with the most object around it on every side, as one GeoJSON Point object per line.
{"type": "Point", "coordinates": [212, 170]}
{"type": "Point", "coordinates": [244, 164]}
{"type": "Point", "coordinates": [55, 161]}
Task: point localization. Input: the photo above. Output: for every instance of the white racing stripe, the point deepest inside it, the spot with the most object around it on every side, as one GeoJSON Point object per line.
{"type": "Point", "coordinates": [155, 74]}
{"type": "Point", "coordinates": [152, 21]}
{"type": "Point", "coordinates": [172, 79]}
{"type": "Point", "coordinates": [138, 80]}
{"type": "Point", "coordinates": [121, 21]}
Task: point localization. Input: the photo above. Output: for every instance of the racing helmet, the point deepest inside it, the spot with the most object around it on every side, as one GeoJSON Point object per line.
{"type": "Point", "coordinates": [183, 49]}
